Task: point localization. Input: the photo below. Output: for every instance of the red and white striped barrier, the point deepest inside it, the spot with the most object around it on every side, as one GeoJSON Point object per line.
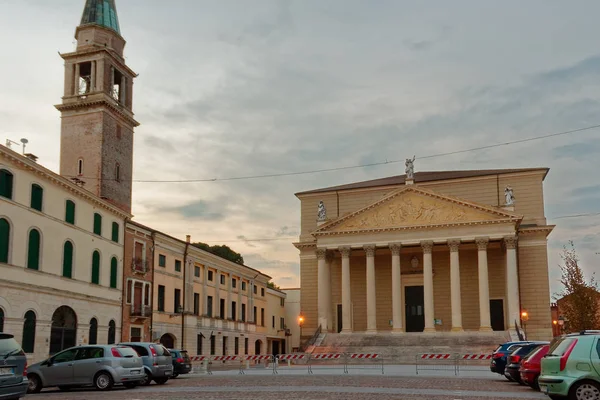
{"type": "Point", "coordinates": [323, 356]}
{"type": "Point", "coordinates": [476, 357]}
{"type": "Point", "coordinates": [257, 357]}
{"type": "Point", "coordinates": [198, 358]}
{"type": "Point", "coordinates": [363, 355]}
{"type": "Point", "coordinates": [225, 358]}
{"type": "Point", "coordinates": [285, 357]}
{"type": "Point", "coordinates": [435, 356]}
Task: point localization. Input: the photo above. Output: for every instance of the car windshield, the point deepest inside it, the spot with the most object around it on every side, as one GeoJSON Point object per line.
{"type": "Point", "coordinates": [559, 348]}
{"type": "Point", "coordinates": [184, 354]}
{"type": "Point", "coordinates": [8, 346]}
{"type": "Point", "coordinates": [127, 352]}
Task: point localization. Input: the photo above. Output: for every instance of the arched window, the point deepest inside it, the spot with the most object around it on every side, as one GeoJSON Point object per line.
{"type": "Point", "coordinates": [113, 272]}
{"type": "Point", "coordinates": [6, 184]}
{"type": "Point", "coordinates": [4, 240]}
{"type": "Point", "coordinates": [118, 172]}
{"type": "Point", "coordinates": [70, 212]}
{"type": "Point", "coordinates": [112, 332]}
{"type": "Point", "coordinates": [37, 197]}
{"type": "Point", "coordinates": [115, 232]}
{"type": "Point", "coordinates": [28, 343]}
{"type": "Point", "coordinates": [80, 167]}
{"type": "Point", "coordinates": [64, 329]}
{"type": "Point", "coordinates": [168, 341]}
{"type": "Point", "coordinates": [98, 224]}
{"type": "Point", "coordinates": [33, 249]}
{"type": "Point", "coordinates": [1, 320]}
{"type": "Point", "coordinates": [68, 260]}
{"type": "Point", "coordinates": [93, 339]}
{"type": "Point", "coordinates": [96, 267]}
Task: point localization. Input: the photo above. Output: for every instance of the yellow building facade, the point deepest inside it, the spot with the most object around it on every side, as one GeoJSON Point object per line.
{"type": "Point", "coordinates": [450, 251]}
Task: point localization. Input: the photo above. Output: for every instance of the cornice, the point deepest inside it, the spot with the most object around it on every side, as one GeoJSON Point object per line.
{"type": "Point", "coordinates": [103, 102]}
{"type": "Point", "coordinates": [305, 245]}
{"type": "Point", "coordinates": [546, 229]}
{"type": "Point", "coordinates": [113, 54]}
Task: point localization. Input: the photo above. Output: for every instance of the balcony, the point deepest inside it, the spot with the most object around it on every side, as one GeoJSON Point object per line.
{"type": "Point", "coordinates": [139, 265]}
{"type": "Point", "coordinates": [144, 312]}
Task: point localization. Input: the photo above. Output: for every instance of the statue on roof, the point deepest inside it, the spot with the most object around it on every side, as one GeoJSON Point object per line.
{"type": "Point", "coordinates": [410, 168]}
{"type": "Point", "coordinates": [321, 212]}
{"type": "Point", "coordinates": [509, 198]}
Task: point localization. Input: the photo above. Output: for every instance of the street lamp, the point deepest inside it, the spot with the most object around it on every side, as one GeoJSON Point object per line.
{"type": "Point", "coordinates": [524, 319]}
{"type": "Point", "coordinates": [300, 323]}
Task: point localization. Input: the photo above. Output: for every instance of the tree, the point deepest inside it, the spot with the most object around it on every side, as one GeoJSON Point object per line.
{"type": "Point", "coordinates": [580, 303]}
{"type": "Point", "coordinates": [272, 285]}
{"type": "Point", "coordinates": [222, 251]}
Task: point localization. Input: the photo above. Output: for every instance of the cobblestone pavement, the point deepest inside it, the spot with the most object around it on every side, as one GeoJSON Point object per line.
{"type": "Point", "coordinates": [307, 387]}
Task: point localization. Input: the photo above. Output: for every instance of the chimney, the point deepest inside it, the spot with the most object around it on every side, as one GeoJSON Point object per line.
{"type": "Point", "coordinates": [188, 238]}
{"type": "Point", "coordinates": [32, 157]}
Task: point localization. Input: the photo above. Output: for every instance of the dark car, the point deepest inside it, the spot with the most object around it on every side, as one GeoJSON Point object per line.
{"type": "Point", "coordinates": [511, 372]}
{"type": "Point", "coordinates": [532, 365]}
{"type": "Point", "coordinates": [181, 362]}
{"type": "Point", "coordinates": [500, 355]}
{"type": "Point", "coordinates": [13, 368]}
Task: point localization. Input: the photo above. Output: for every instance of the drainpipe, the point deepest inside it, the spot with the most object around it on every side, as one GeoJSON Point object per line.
{"type": "Point", "coordinates": [185, 267]}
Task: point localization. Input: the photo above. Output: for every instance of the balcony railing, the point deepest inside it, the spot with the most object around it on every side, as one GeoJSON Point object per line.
{"type": "Point", "coordinates": [139, 265]}
{"type": "Point", "coordinates": [144, 312]}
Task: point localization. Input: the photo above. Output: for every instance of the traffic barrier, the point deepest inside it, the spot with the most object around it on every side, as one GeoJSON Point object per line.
{"type": "Point", "coordinates": [436, 362]}
{"type": "Point", "coordinates": [329, 358]}
{"type": "Point", "coordinates": [297, 356]}
{"type": "Point", "coordinates": [476, 357]}
{"type": "Point", "coordinates": [258, 357]}
{"type": "Point", "coordinates": [222, 360]}
{"type": "Point", "coordinates": [472, 362]}
{"type": "Point", "coordinates": [356, 361]}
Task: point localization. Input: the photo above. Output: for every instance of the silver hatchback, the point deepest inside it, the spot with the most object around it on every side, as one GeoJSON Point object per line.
{"type": "Point", "coordinates": [158, 363]}
{"type": "Point", "coordinates": [98, 365]}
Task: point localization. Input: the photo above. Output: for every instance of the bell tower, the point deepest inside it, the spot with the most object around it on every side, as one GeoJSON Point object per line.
{"type": "Point", "coordinates": [97, 121]}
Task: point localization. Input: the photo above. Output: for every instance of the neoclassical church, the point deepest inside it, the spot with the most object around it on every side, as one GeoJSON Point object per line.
{"type": "Point", "coordinates": [447, 251]}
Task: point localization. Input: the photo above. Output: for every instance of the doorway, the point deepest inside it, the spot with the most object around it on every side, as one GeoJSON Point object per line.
{"type": "Point", "coordinates": [339, 318]}
{"type": "Point", "coordinates": [276, 348]}
{"type": "Point", "coordinates": [414, 300]}
{"type": "Point", "coordinates": [497, 314]}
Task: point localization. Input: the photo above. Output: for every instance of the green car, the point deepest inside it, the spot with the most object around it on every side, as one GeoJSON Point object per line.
{"type": "Point", "coordinates": [571, 369]}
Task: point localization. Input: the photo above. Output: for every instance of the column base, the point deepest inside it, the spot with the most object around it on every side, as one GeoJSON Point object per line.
{"type": "Point", "coordinates": [398, 330]}
{"type": "Point", "coordinates": [346, 331]}
{"type": "Point", "coordinates": [457, 329]}
{"type": "Point", "coordinates": [485, 329]}
{"type": "Point", "coordinates": [429, 330]}
{"type": "Point", "coordinates": [371, 331]}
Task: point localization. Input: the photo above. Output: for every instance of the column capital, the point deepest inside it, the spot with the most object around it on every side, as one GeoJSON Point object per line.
{"type": "Point", "coordinates": [369, 249]}
{"type": "Point", "coordinates": [482, 243]}
{"type": "Point", "coordinates": [395, 248]}
{"type": "Point", "coordinates": [427, 246]}
{"type": "Point", "coordinates": [510, 242]}
{"type": "Point", "coordinates": [345, 251]}
{"type": "Point", "coordinates": [321, 254]}
{"type": "Point", "coordinates": [454, 244]}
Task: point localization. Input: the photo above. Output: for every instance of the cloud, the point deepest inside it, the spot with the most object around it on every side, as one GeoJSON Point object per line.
{"type": "Point", "coordinates": [199, 210]}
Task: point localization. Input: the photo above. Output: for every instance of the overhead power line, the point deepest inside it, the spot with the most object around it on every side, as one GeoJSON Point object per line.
{"type": "Point", "coordinates": [315, 171]}
{"type": "Point", "coordinates": [296, 237]}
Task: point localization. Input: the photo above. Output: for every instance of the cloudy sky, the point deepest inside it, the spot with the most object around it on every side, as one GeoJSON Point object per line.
{"type": "Point", "coordinates": [249, 87]}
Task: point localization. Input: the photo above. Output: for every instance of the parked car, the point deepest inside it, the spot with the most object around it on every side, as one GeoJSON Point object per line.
{"type": "Point", "coordinates": [158, 364]}
{"type": "Point", "coordinates": [181, 362]}
{"type": "Point", "coordinates": [13, 368]}
{"type": "Point", "coordinates": [499, 356]}
{"type": "Point", "coordinates": [516, 357]}
{"type": "Point", "coordinates": [571, 369]}
{"type": "Point", "coordinates": [101, 366]}
{"type": "Point", "coordinates": [531, 366]}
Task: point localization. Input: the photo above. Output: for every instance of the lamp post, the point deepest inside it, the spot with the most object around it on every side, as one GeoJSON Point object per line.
{"type": "Point", "coordinates": [300, 323]}
{"type": "Point", "coordinates": [524, 319]}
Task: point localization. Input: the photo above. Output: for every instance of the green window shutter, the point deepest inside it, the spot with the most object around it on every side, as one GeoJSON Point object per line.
{"type": "Point", "coordinates": [70, 212]}
{"type": "Point", "coordinates": [98, 224]}
{"type": "Point", "coordinates": [113, 272]}
{"type": "Point", "coordinates": [115, 232]}
{"type": "Point", "coordinates": [4, 240]}
{"type": "Point", "coordinates": [6, 184]}
{"type": "Point", "coordinates": [33, 251]}
{"type": "Point", "coordinates": [28, 342]}
{"type": "Point", "coordinates": [68, 260]}
{"type": "Point", "coordinates": [37, 197]}
{"type": "Point", "coordinates": [96, 268]}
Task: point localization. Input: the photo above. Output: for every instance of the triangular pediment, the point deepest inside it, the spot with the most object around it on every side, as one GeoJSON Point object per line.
{"type": "Point", "coordinates": [412, 207]}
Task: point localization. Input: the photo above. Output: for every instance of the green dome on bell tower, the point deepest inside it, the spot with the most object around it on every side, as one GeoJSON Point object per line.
{"type": "Point", "coordinates": [101, 12]}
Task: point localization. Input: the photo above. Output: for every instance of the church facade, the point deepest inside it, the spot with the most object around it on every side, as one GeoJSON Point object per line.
{"type": "Point", "coordinates": [453, 251]}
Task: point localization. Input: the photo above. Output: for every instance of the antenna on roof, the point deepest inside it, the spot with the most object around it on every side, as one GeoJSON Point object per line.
{"type": "Point", "coordinates": [24, 141]}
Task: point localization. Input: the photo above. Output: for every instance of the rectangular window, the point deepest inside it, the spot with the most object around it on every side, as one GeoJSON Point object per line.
{"type": "Point", "coordinates": [254, 315]}
{"type": "Point", "coordinates": [209, 306]}
{"type": "Point", "coordinates": [262, 291]}
{"type": "Point", "coordinates": [222, 309]}
{"type": "Point", "coordinates": [243, 286]}
{"type": "Point", "coordinates": [177, 265]}
{"type": "Point", "coordinates": [197, 271]}
{"type": "Point", "coordinates": [136, 335]}
{"type": "Point", "coordinates": [225, 345]}
{"type": "Point", "coordinates": [243, 312]}
{"type": "Point", "coordinates": [255, 289]}
{"type": "Point", "coordinates": [233, 310]}
{"type": "Point", "coordinates": [212, 345]}
{"type": "Point", "coordinates": [98, 224]}
{"type": "Point", "coordinates": [236, 345]}
{"type": "Point", "coordinates": [282, 302]}
{"type": "Point", "coordinates": [115, 232]}
{"type": "Point", "coordinates": [161, 298]}
{"type": "Point", "coordinates": [197, 303]}
{"type": "Point", "coordinates": [129, 291]}
{"type": "Point", "coordinates": [246, 346]}
{"type": "Point", "coordinates": [282, 323]}
{"type": "Point", "coordinates": [37, 197]}
{"type": "Point", "coordinates": [147, 294]}
{"type": "Point", "coordinates": [199, 344]}
{"type": "Point", "coordinates": [177, 304]}
{"type": "Point", "coordinates": [70, 212]}
{"type": "Point", "coordinates": [233, 283]}
{"type": "Point", "coordinates": [262, 317]}
{"type": "Point", "coordinates": [210, 276]}
{"type": "Point", "coordinates": [273, 321]}
{"type": "Point", "coordinates": [6, 184]}
{"type": "Point", "coordinates": [222, 279]}
{"type": "Point", "coordinates": [162, 260]}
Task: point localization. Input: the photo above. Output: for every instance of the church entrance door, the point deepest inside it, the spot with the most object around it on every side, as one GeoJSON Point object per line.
{"type": "Point", "coordinates": [414, 300]}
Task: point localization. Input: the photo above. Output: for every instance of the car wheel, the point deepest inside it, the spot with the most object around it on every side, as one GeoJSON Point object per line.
{"type": "Point", "coordinates": [147, 379]}
{"type": "Point", "coordinates": [509, 378]}
{"type": "Point", "coordinates": [161, 381]}
{"type": "Point", "coordinates": [130, 385]}
{"type": "Point", "coordinates": [174, 375]}
{"type": "Point", "coordinates": [103, 381]}
{"type": "Point", "coordinates": [585, 390]}
{"type": "Point", "coordinates": [35, 384]}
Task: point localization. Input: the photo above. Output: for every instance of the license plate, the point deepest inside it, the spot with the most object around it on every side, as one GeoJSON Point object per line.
{"type": "Point", "coordinates": [6, 371]}
{"type": "Point", "coordinates": [135, 371]}
{"type": "Point", "coordinates": [168, 373]}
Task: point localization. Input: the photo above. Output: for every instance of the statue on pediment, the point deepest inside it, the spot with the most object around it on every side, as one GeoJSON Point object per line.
{"type": "Point", "coordinates": [321, 212]}
{"type": "Point", "coordinates": [410, 168]}
{"type": "Point", "coordinates": [509, 198]}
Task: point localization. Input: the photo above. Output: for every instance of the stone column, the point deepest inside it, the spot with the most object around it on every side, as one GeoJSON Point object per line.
{"type": "Point", "coordinates": [455, 301]}
{"type": "Point", "coordinates": [100, 75]}
{"type": "Point", "coordinates": [123, 90]}
{"type": "Point", "coordinates": [371, 290]}
{"type": "Point", "coordinates": [322, 288]}
{"type": "Point", "coordinates": [428, 285]}
{"type": "Point", "coordinates": [396, 288]}
{"type": "Point", "coordinates": [512, 281]}
{"type": "Point", "coordinates": [485, 324]}
{"type": "Point", "coordinates": [329, 308]}
{"type": "Point", "coordinates": [76, 80]}
{"type": "Point", "coordinates": [93, 77]}
{"type": "Point", "coordinates": [346, 299]}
